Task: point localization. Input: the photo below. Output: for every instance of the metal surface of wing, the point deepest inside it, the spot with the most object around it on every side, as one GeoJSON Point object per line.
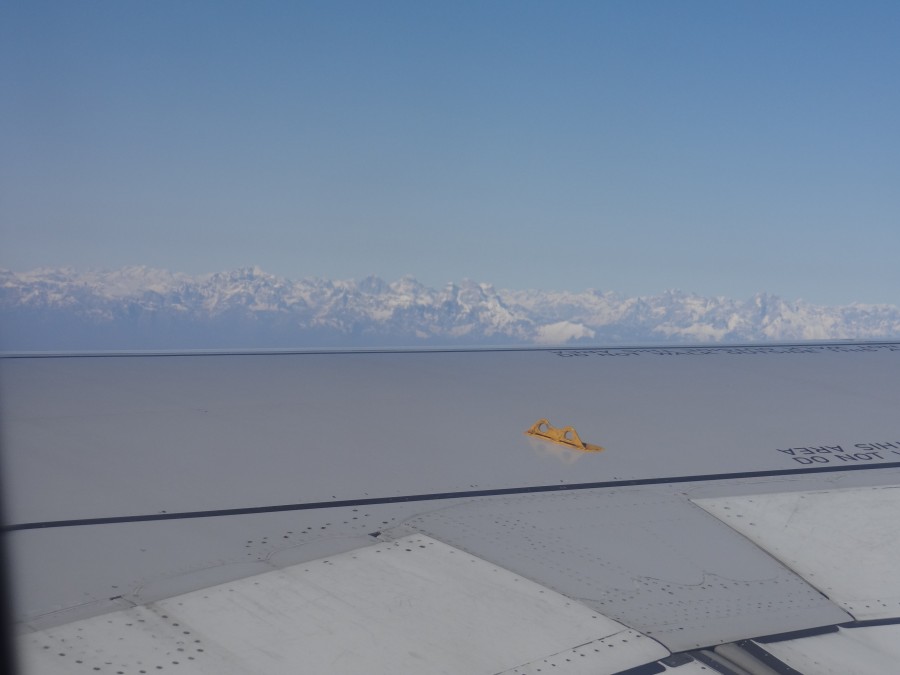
{"type": "Point", "coordinates": [384, 512]}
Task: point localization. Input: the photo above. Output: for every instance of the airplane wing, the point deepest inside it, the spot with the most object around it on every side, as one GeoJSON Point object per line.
{"type": "Point", "coordinates": [712, 510]}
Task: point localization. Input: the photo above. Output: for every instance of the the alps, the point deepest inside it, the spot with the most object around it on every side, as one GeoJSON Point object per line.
{"type": "Point", "coordinates": [144, 308]}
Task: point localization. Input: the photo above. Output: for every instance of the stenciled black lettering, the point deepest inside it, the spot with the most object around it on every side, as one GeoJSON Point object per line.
{"type": "Point", "coordinates": [818, 459]}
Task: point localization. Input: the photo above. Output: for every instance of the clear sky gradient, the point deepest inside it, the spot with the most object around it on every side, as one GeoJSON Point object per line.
{"type": "Point", "coordinates": [717, 147]}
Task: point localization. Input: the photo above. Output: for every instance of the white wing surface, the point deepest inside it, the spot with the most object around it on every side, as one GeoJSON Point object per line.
{"type": "Point", "coordinates": [372, 512]}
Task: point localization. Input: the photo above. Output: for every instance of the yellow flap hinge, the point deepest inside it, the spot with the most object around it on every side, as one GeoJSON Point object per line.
{"type": "Point", "coordinates": [563, 435]}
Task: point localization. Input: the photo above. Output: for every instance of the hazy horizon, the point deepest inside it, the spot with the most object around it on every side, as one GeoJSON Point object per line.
{"type": "Point", "coordinates": [144, 308]}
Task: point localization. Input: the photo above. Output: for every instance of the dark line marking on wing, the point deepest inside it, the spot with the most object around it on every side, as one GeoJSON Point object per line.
{"type": "Point", "coordinates": [646, 669]}
{"type": "Point", "coordinates": [822, 630]}
{"type": "Point", "coordinates": [437, 496]}
{"type": "Point", "coordinates": [797, 634]}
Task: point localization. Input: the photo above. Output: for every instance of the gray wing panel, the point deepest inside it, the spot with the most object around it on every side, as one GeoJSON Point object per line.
{"type": "Point", "coordinates": [649, 559]}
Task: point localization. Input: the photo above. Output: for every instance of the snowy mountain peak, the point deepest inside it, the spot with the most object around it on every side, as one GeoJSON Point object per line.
{"type": "Point", "coordinates": [142, 307]}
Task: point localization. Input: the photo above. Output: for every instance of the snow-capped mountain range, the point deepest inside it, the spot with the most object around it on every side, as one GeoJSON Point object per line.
{"type": "Point", "coordinates": [144, 308]}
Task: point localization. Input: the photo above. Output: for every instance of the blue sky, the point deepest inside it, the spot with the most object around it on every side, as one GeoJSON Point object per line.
{"type": "Point", "coordinates": [717, 147]}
